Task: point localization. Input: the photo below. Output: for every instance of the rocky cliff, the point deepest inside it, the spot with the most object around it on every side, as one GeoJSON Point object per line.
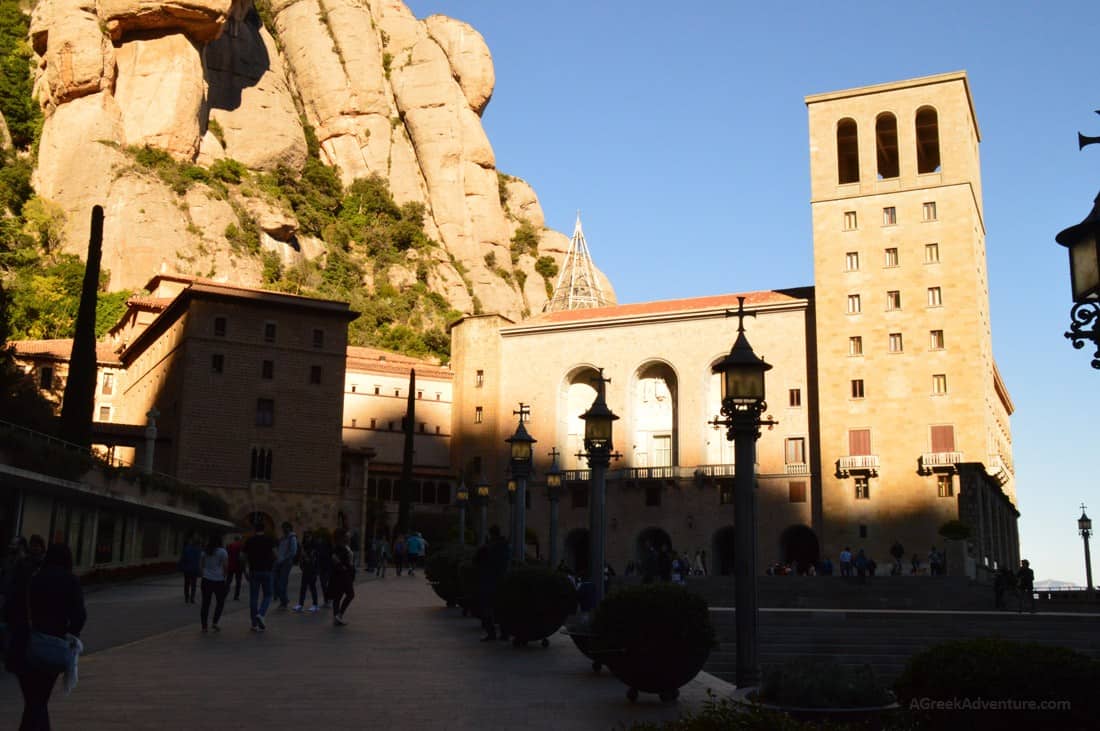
{"type": "Point", "coordinates": [361, 85]}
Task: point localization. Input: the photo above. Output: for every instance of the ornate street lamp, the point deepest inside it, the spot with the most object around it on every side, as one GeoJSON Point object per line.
{"type": "Point", "coordinates": [742, 374]}
{"type": "Point", "coordinates": [520, 448]}
{"type": "Point", "coordinates": [553, 491]}
{"type": "Point", "coordinates": [510, 487]}
{"type": "Point", "coordinates": [462, 497]}
{"type": "Point", "coordinates": [483, 502]}
{"type": "Point", "coordinates": [1084, 527]}
{"type": "Point", "coordinates": [1083, 242]}
{"type": "Point", "coordinates": [598, 421]}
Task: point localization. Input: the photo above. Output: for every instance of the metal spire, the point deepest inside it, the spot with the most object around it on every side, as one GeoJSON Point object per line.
{"type": "Point", "coordinates": [577, 287]}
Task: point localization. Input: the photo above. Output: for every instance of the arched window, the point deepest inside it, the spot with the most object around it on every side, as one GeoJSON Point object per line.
{"type": "Point", "coordinates": [847, 151]}
{"type": "Point", "coordinates": [886, 145]}
{"type": "Point", "coordinates": [928, 140]}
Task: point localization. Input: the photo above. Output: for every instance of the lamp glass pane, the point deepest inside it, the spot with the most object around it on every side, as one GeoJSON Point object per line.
{"type": "Point", "coordinates": [511, 485]}
{"type": "Point", "coordinates": [1084, 524]}
{"type": "Point", "coordinates": [553, 480]}
{"type": "Point", "coordinates": [521, 451]}
{"type": "Point", "coordinates": [1084, 266]}
{"type": "Point", "coordinates": [597, 429]}
{"type": "Point", "coordinates": [743, 384]}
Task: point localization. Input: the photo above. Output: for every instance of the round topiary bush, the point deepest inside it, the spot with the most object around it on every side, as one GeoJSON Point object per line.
{"type": "Point", "coordinates": [441, 569]}
{"type": "Point", "coordinates": [991, 683]}
{"type": "Point", "coordinates": [815, 683]}
{"type": "Point", "coordinates": [468, 597]}
{"type": "Point", "coordinates": [532, 602]}
{"type": "Point", "coordinates": [663, 635]}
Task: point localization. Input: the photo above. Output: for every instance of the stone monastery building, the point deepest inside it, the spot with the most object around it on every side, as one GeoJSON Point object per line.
{"type": "Point", "coordinates": [892, 416]}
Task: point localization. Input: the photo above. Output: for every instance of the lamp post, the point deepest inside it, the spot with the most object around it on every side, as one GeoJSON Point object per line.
{"type": "Point", "coordinates": [519, 445]}
{"type": "Point", "coordinates": [742, 374]}
{"type": "Point", "coordinates": [511, 486]}
{"type": "Point", "coordinates": [553, 491]}
{"type": "Point", "coordinates": [1084, 527]}
{"type": "Point", "coordinates": [462, 497]}
{"type": "Point", "coordinates": [598, 422]}
{"type": "Point", "coordinates": [483, 502]}
{"type": "Point", "coordinates": [1083, 242]}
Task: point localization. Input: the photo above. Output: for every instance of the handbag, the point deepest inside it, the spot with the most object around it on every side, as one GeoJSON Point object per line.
{"type": "Point", "coordinates": [45, 651]}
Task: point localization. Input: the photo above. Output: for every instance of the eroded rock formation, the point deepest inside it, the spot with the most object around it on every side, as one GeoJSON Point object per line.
{"type": "Point", "coordinates": [202, 80]}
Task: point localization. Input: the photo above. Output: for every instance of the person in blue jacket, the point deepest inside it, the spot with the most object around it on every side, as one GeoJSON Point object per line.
{"type": "Point", "coordinates": [189, 565]}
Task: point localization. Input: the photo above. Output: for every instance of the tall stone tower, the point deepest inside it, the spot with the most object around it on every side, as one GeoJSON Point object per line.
{"type": "Point", "coordinates": [909, 395]}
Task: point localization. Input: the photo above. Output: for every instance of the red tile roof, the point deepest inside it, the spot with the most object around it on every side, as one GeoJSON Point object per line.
{"type": "Point", "coordinates": [61, 349]}
{"type": "Point", "coordinates": [378, 360]}
{"type": "Point", "coordinates": [149, 303]}
{"type": "Point", "coordinates": [765, 297]}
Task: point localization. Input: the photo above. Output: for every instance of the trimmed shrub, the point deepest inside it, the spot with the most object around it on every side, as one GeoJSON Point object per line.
{"type": "Point", "coordinates": [636, 616]}
{"type": "Point", "coordinates": [532, 602]}
{"type": "Point", "coordinates": [996, 680]}
{"type": "Point", "coordinates": [441, 569]}
{"type": "Point", "coordinates": [823, 684]}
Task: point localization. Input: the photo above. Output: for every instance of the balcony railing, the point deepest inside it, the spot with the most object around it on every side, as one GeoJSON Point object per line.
{"type": "Point", "coordinates": [650, 473]}
{"type": "Point", "coordinates": [999, 470]}
{"type": "Point", "coordinates": [868, 463]}
{"type": "Point", "coordinates": [930, 461]}
{"type": "Point", "coordinates": [715, 470]}
{"type": "Point", "coordinates": [798, 469]}
{"type": "Point", "coordinates": [576, 475]}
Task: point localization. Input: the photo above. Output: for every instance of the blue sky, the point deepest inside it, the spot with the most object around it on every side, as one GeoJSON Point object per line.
{"type": "Point", "coordinates": [681, 136]}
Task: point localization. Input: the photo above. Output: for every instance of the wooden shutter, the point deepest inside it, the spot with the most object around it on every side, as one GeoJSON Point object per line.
{"type": "Point", "coordinates": [943, 439]}
{"type": "Point", "coordinates": [797, 492]}
{"type": "Point", "coordinates": [859, 441]}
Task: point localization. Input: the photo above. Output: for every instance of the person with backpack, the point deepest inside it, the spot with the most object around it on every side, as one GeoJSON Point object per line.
{"type": "Point", "coordinates": [342, 583]}
{"type": "Point", "coordinates": [308, 562]}
{"type": "Point", "coordinates": [416, 546]}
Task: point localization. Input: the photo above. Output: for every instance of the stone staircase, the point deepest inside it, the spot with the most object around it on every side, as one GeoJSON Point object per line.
{"type": "Point", "coordinates": [837, 592]}
{"type": "Point", "coordinates": [886, 639]}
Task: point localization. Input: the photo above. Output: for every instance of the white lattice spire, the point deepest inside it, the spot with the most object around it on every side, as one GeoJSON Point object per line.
{"type": "Point", "coordinates": [577, 288]}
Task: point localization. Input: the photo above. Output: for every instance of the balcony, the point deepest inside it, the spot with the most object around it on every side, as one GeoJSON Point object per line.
{"type": "Point", "coordinates": [651, 473]}
{"type": "Point", "coordinates": [939, 462]}
{"type": "Point", "coordinates": [798, 469]}
{"type": "Point", "coordinates": [863, 463]}
{"type": "Point", "coordinates": [999, 470]}
{"type": "Point", "coordinates": [715, 470]}
{"type": "Point", "coordinates": [576, 475]}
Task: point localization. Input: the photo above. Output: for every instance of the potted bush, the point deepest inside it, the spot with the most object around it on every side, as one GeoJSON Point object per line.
{"type": "Point", "coordinates": [441, 570]}
{"type": "Point", "coordinates": [823, 690]}
{"type": "Point", "coordinates": [658, 637]}
{"type": "Point", "coordinates": [1003, 676]}
{"type": "Point", "coordinates": [532, 603]}
{"type": "Point", "coordinates": [468, 597]}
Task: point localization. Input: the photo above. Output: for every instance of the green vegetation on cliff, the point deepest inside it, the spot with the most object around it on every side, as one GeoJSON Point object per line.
{"type": "Point", "coordinates": [20, 111]}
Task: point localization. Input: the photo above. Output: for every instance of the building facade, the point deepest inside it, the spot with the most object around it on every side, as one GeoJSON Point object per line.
{"type": "Point", "coordinates": [884, 382]}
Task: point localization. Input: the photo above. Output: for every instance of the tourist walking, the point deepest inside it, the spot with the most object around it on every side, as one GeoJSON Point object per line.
{"type": "Point", "coordinates": [215, 571]}
{"type": "Point", "coordinates": [324, 563]}
{"type": "Point", "coordinates": [861, 566]}
{"type": "Point", "coordinates": [189, 565]}
{"type": "Point", "coordinates": [236, 571]}
{"type": "Point", "coordinates": [898, 552]}
{"type": "Point", "coordinates": [307, 561]}
{"type": "Point", "coordinates": [491, 560]}
{"type": "Point", "coordinates": [846, 562]}
{"type": "Point", "coordinates": [284, 561]}
{"type": "Point", "coordinates": [259, 554]}
{"type": "Point", "coordinates": [417, 548]}
{"type": "Point", "coordinates": [342, 584]}
{"type": "Point", "coordinates": [1025, 586]}
{"type": "Point", "coordinates": [916, 564]}
{"type": "Point", "coordinates": [382, 555]}
{"type": "Point", "coordinates": [49, 604]}
{"type": "Point", "coordinates": [934, 562]}
{"type": "Point", "coordinates": [400, 553]}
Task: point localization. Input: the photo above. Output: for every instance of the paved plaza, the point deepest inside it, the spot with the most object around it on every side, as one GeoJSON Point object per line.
{"type": "Point", "coordinates": [404, 661]}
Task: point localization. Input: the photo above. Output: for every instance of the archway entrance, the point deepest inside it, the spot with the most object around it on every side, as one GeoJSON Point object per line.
{"type": "Point", "coordinates": [576, 551]}
{"type": "Point", "coordinates": [799, 548]}
{"type": "Point", "coordinates": [721, 561]}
